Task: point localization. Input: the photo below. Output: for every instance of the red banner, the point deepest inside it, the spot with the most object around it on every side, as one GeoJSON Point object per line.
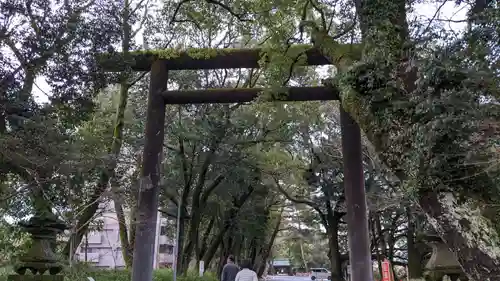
{"type": "Point", "coordinates": [386, 271]}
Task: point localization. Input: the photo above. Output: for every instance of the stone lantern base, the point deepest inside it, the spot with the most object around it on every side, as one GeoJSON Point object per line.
{"type": "Point", "coordinates": [443, 262]}
{"type": "Point", "coordinates": [40, 258]}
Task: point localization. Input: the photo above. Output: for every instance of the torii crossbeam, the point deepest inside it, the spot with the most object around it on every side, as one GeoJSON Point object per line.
{"type": "Point", "coordinates": [159, 63]}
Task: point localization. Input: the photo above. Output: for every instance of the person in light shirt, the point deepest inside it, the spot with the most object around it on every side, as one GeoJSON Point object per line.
{"type": "Point", "coordinates": [246, 273]}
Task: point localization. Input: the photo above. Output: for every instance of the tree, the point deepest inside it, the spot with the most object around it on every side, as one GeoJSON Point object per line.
{"type": "Point", "coordinates": [405, 107]}
{"type": "Point", "coordinates": [128, 17]}
{"type": "Point", "coordinates": [13, 242]}
{"type": "Point", "coordinates": [421, 144]}
{"type": "Point", "coordinates": [425, 101]}
{"type": "Point", "coordinates": [57, 41]}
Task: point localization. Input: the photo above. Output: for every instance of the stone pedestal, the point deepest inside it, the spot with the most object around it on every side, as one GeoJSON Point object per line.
{"type": "Point", "coordinates": [40, 258]}
{"type": "Point", "coordinates": [443, 262]}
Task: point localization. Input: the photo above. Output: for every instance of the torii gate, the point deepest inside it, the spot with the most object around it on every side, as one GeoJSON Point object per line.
{"type": "Point", "coordinates": [159, 63]}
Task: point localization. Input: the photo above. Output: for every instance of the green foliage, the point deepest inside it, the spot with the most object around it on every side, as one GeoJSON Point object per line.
{"type": "Point", "coordinates": [81, 272]}
{"type": "Point", "coordinates": [13, 242]}
{"type": "Point", "coordinates": [57, 41]}
{"type": "Point", "coordinates": [434, 137]}
{"type": "Point", "coordinates": [123, 275]}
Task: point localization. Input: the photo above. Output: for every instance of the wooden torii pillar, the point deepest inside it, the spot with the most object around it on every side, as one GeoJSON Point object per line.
{"type": "Point", "coordinates": [159, 63]}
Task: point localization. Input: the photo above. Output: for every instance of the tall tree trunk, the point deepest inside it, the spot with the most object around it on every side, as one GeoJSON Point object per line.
{"type": "Point", "coordinates": [134, 211]}
{"type": "Point", "coordinates": [222, 258]}
{"type": "Point", "coordinates": [376, 244]}
{"type": "Point", "coordinates": [301, 243]}
{"type": "Point", "coordinates": [199, 199]}
{"type": "Point", "coordinates": [435, 165]}
{"type": "Point", "coordinates": [204, 240]}
{"type": "Point", "coordinates": [415, 270]}
{"type": "Point", "coordinates": [230, 239]}
{"type": "Point", "coordinates": [266, 254]}
{"type": "Point", "coordinates": [258, 258]}
{"type": "Point", "coordinates": [132, 230]}
{"type": "Point", "coordinates": [182, 229]}
{"type": "Point", "coordinates": [122, 226]}
{"type": "Point", "coordinates": [333, 246]}
{"type": "Point", "coordinates": [381, 235]}
{"type": "Point", "coordinates": [118, 133]}
{"type": "Point", "coordinates": [227, 225]}
{"type": "Point", "coordinates": [214, 246]}
{"type": "Point", "coordinates": [114, 149]}
{"type": "Point", "coordinates": [443, 182]}
{"type": "Point", "coordinates": [128, 240]}
{"type": "Point", "coordinates": [303, 256]}
{"type": "Point", "coordinates": [238, 245]}
{"type": "Point", "coordinates": [476, 244]}
{"type": "Point", "coordinates": [252, 250]}
{"type": "Point", "coordinates": [391, 241]}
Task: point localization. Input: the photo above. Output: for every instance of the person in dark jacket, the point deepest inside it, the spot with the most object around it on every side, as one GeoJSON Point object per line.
{"type": "Point", "coordinates": [230, 270]}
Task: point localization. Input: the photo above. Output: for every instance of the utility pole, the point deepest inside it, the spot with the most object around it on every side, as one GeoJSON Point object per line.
{"type": "Point", "coordinates": [71, 242]}
{"type": "Point", "coordinates": [176, 245]}
{"type": "Point", "coordinates": [157, 241]}
{"type": "Point", "coordinates": [86, 244]}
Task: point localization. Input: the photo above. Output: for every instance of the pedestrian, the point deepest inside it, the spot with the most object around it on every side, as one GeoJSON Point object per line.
{"type": "Point", "coordinates": [246, 273]}
{"type": "Point", "coordinates": [230, 270]}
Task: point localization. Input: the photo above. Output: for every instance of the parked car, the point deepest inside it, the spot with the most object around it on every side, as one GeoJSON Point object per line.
{"type": "Point", "coordinates": [320, 273]}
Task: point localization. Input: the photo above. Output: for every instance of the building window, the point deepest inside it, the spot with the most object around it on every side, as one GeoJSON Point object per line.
{"type": "Point", "coordinates": [163, 230]}
{"type": "Point", "coordinates": [89, 250]}
{"type": "Point", "coordinates": [166, 249]}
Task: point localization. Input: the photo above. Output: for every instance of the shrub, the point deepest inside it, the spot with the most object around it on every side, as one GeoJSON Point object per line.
{"type": "Point", "coordinates": [125, 275]}
{"type": "Point", "coordinates": [80, 272]}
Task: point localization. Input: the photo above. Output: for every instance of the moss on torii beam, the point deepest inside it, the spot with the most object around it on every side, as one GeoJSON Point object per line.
{"type": "Point", "coordinates": [201, 58]}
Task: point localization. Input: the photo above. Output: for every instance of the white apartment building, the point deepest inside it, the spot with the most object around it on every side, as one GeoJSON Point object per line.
{"type": "Point", "coordinates": [103, 248]}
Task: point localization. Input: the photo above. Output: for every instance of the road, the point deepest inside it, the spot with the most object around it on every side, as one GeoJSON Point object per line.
{"type": "Point", "coordinates": [287, 278]}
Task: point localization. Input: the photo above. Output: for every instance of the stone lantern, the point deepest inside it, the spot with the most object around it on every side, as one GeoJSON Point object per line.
{"type": "Point", "coordinates": [40, 258]}
{"type": "Point", "coordinates": [443, 262]}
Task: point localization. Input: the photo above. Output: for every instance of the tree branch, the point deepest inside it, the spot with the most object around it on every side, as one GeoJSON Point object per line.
{"type": "Point", "coordinates": [211, 188]}
{"type": "Point", "coordinates": [302, 201]}
{"type": "Point", "coordinates": [170, 215]}
{"type": "Point", "coordinates": [229, 10]}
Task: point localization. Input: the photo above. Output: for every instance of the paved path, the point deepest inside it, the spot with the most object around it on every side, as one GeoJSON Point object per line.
{"type": "Point", "coordinates": [287, 278]}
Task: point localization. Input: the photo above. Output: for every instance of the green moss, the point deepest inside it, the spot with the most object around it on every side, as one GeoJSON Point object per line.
{"type": "Point", "coordinates": [341, 55]}
{"type": "Point", "coordinates": [196, 53]}
{"type": "Point", "coordinates": [354, 105]}
{"type": "Point", "coordinates": [297, 50]}
{"type": "Point", "coordinates": [201, 53]}
{"type": "Point", "coordinates": [162, 54]}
